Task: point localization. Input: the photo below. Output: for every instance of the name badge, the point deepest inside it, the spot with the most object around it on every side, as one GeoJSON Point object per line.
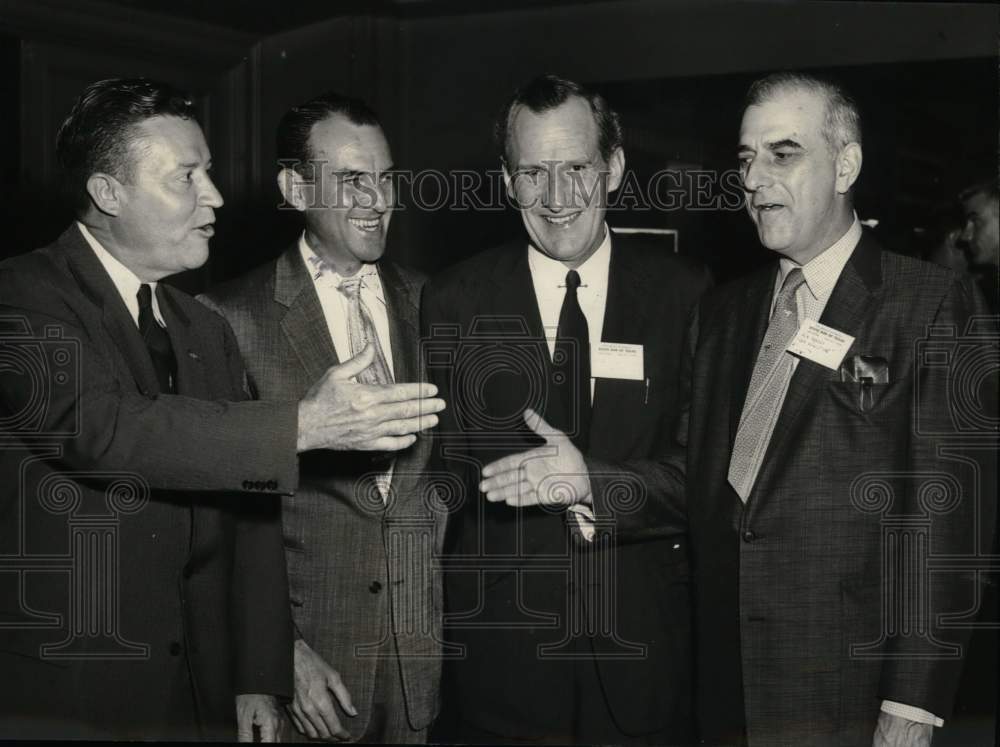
{"type": "Point", "coordinates": [820, 344]}
{"type": "Point", "coordinates": [616, 360]}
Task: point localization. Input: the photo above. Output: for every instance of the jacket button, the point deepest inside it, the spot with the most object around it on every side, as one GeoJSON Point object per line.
{"type": "Point", "coordinates": [258, 485]}
{"type": "Point", "coordinates": [272, 484]}
{"type": "Point", "coordinates": [247, 485]}
{"type": "Point", "coordinates": [749, 536]}
{"type": "Point", "coordinates": [176, 648]}
{"type": "Point", "coordinates": [375, 587]}
{"type": "Point", "coordinates": [187, 572]}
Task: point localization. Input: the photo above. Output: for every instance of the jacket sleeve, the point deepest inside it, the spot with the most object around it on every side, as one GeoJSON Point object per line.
{"type": "Point", "coordinates": [104, 423]}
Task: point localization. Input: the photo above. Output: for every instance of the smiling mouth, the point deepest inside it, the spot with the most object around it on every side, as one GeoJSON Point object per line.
{"type": "Point", "coordinates": [560, 220]}
{"type": "Point", "coordinates": [206, 230]}
{"type": "Point", "coordinates": [366, 225]}
{"type": "Point", "coordinates": [767, 207]}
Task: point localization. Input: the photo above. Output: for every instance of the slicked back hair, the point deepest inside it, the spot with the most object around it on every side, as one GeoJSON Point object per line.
{"type": "Point", "coordinates": [842, 120]}
{"type": "Point", "coordinates": [293, 146]}
{"type": "Point", "coordinates": [546, 92]}
{"type": "Point", "coordinates": [98, 134]}
{"type": "Point", "coordinates": [988, 187]}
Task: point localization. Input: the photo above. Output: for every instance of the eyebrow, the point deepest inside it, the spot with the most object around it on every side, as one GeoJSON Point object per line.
{"type": "Point", "coordinates": [786, 143]}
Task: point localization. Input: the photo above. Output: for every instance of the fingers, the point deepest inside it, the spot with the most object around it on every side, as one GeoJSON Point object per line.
{"type": "Point", "coordinates": [336, 685]}
{"type": "Point", "coordinates": [244, 727]}
{"type": "Point", "coordinates": [269, 722]}
{"type": "Point", "coordinates": [302, 722]}
{"type": "Point", "coordinates": [519, 493]}
{"type": "Point", "coordinates": [511, 463]}
{"type": "Point", "coordinates": [387, 443]}
{"type": "Point", "coordinates": [420, 391]}
{"type": "Point", "coordinates": [353, 366]}
{"type": "Point", "coordinates": [497, 480]}
{"type": "Point", "coordinates": [382, 409]}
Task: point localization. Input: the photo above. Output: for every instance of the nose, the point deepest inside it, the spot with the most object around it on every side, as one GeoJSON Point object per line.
{"type": "Point", "coordinates": [968, 232]}
{"type": "Point", "coordinates": [210, 195]}
{"type": "Point", "coordinates": [755, 175]}
{"type": "Point", "coordinates": [554, 193]}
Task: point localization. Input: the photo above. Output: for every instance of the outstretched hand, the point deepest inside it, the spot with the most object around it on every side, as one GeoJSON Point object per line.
{"type": "Point", "coordinates": [552, 475]}
{"type": "Point", "coordinates": [341, 414]}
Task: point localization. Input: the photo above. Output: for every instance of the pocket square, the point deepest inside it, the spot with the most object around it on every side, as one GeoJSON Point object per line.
{"type": "Point", "coordinates": [865, 370]}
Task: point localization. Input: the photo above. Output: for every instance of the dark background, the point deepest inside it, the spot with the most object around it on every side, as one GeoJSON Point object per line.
{"type": "Point", "coordinates": [926, 77]}
{"type": "Point", "coordinates": [438, 71]}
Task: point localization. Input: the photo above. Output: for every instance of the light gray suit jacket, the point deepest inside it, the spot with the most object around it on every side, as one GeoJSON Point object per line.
{"type": "Point", "coordinates": [360, 570]}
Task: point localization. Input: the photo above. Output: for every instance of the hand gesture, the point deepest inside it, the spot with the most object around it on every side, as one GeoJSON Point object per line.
{"type": "Point", "coordinates": [341, 414]}
{"type": "Point", "coordinates": [262, 711]}
{"type": "Point", "coordinates": [553, 475]}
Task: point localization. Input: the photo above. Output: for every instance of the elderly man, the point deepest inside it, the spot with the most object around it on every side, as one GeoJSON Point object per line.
{"type": "Point", "coordinates": [362, 536]}
{"type": "Point", "coordinates": [172, 599]}
{"type": "Point", "coordinates": [822, 460]}
{"type": "Point", "coordinates": [562, 642]}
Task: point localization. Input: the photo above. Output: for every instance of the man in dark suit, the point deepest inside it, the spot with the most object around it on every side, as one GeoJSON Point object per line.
{"type": "Point", "coordinates": [141, 591]}
{"type": "Point", "coordinates": [362, 536]}
{"type": "Point", "coordinates": [562, 641]}
{"type": "Point", "coordinates": [825, 460]}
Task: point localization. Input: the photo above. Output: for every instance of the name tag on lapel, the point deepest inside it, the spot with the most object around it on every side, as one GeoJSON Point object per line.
{"type": "Point", "coordinates": [616, 360]}
{"type": "Point", "coordinates": [820, 344]}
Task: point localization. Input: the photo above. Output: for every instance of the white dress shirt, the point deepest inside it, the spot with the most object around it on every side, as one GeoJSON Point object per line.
{"type": "Point", "coordinates": [335, 310]}
{"type": "Point", "coordinates": [335, 304]}
{"type": "Point", "coordinates": [124, 279]}
{"type": "Point", "coordinates": [549, 279]}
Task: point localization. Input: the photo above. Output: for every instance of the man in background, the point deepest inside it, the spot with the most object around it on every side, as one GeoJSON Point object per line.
{"type": "Point", "coordinates": [363, 532]}
{"type": "Point", "coordinates": [982, 237]}
{"type": "Point", "coordinates": [178, 605]}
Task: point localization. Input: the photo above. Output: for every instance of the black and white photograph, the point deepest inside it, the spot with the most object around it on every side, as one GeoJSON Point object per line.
{"type": "Point", "coordinates": [536, 372]}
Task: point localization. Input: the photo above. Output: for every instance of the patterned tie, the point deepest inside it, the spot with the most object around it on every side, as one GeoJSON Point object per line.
{"type": "Point", "coordinates": [362, 331]}
{"type": "Point", "coordinates": [572, 361]}
{"type": "Point", "coordinates": [768, 384]}
{"type": "Point", "coordinates": [161, 352]}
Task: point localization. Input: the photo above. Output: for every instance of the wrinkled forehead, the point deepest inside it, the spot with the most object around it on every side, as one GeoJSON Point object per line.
{"type": "Point", "coordinates": [346, 146]}
{"type": "Point", "coordinates": [788, 114]}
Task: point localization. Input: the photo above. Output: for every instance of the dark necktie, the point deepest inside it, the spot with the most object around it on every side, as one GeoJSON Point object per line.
{"type": "Point", "coordinates": [161, 352]}
{"type": "Point", "coordinates": [572, 363]}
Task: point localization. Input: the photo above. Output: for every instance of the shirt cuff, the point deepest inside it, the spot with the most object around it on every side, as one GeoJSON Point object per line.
{"type": "Point", "coordinates": [584, 517]}
{"type": "Point", "coordinates": [911, 712]}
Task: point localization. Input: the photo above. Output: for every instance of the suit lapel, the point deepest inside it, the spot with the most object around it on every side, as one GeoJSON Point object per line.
{"type": "Point", "coordinates": [94, 280]}
{"type": "Point", "coordinates": [303, 324]}
{"type": "Point", "coordinates": [851, 301]}
{"type": "Point", "coordinates": [402, 307]}
{"type": "Point", "coordinates": [625, 317]}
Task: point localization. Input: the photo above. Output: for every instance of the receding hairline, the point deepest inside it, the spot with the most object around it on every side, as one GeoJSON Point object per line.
{"type": "Point", "coordinates": [517, 109]}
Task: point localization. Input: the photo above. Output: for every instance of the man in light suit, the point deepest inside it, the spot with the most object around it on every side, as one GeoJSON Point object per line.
{"type": "Point", "coordinates": [816, 484]}
{"type": "Point", "coordinates": [563, 642]}
{"type": "Point", "coordinates": [362, 534]}
{"type": "Point", "coordinates": [144, 581]}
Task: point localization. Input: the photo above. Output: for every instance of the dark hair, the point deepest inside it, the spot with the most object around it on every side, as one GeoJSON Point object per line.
{"type": "Point", "coordinates": [988, 187]}
{"type": "Point", "coordinates": [842, 123]}
{"type": "Point", "coordinates": [99, 131]}
{"type": "Point", "coordinates": [546, 92]}
{"type": "Point", "coordinates": [296, 125]}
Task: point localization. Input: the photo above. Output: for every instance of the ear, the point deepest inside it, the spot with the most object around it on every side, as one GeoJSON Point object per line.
{"type": "Point", "coordinates": [506, 178]}
{"type": "Point", "coordinates": [848, 166]}
{"type": "Point", "coordinates": [106, 193]}
{"type": "Point", "coordinates": [296, 191]}
{"type": "Point", "coordinates": [616, 169]}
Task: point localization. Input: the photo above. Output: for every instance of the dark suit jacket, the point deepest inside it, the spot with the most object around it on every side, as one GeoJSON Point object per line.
{"type": "Point", "coordinates": [125, 544]}
{"type": "Point", "coordinates": [358, 569]}
{"type": "Point", "coordinates": [796, 591]}
{"type": "Point", "coordinates": [515, 603]}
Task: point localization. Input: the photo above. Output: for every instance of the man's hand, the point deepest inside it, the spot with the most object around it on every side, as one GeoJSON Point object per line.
{"type": "Point", "coordinates": [256, 709]}
{"type": "Point", "coordinates": [313, 711]}
{"type": "Point", "coordinates": [896, 731]}
{"type": "Point", "coordinates": [341, 414]}
{"type": "Point", "coordinates": [552, 475]}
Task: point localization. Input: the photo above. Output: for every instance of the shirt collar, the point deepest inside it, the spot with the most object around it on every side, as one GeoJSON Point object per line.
{"type": "Point", "coordinates": [324, 275]}
{"type": "Point", "coordinates": [126, 282]}
{"type": "Point", "coordinates": [822, 271]}
{"type": "Point", "coordinates": [552, 272]}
